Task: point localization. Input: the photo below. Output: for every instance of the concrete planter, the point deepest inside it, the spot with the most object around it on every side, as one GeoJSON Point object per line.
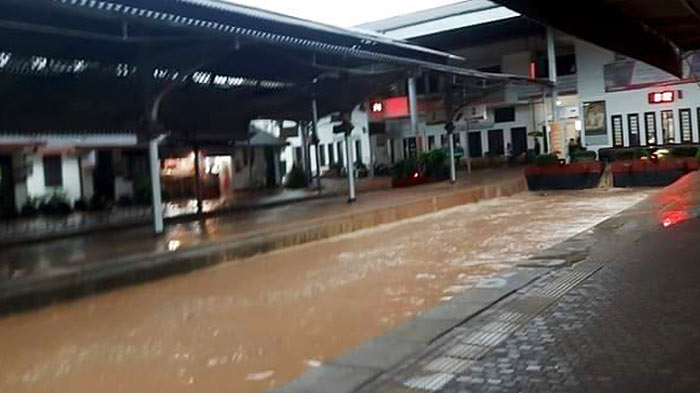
{"type": "Point", "coordinates": [415, 181]}
{"type": "Point", "coordinates": [651, 173]}
{"type": "Point", "coordinates": [573, 176]}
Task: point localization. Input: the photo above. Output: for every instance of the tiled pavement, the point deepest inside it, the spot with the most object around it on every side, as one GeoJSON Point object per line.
{"type": "Point", "coordinates": [627, 319]}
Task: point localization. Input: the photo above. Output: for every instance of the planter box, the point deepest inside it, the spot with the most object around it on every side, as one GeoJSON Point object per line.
{"type": "Point", "coordinates": [647, 173]}
{"type": "Point", "coordinates": [574, 176]}
{"type": "Point", "coordinates": [414, 181]}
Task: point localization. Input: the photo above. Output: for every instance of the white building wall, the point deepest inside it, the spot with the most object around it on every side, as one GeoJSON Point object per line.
{"type": "Point", "coordinates": [590, 62]}
{"type": "Point", "coordinates": [71, 178]}
{"type": "Point", "coordinates": [329, 140]}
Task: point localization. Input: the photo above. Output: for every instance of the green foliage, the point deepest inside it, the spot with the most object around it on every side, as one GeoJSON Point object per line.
{"type": "Point", "coordinates": [684, 151]}
{"type": "Point", "coordinates": [629, 154]}
{"type": "Point", "coordinates": [434, 163]}
{"type": "Point", "coordinates": [405, 168]}
{"type": "Point", "coordinates": [546, 160]}
{"type": "Point", "coordinates": [56, 203]}
{"type": "Point", "coordinates": [583, 155]}
{"type": "Point", "coordinates": [30, 208]}
{"type": "Point", "coordinates": [296, 178]}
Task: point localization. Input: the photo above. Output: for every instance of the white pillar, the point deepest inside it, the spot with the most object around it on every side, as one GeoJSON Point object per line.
{"type": "Point", "coordinates": [413, 109]}
{"type": "Point", "coordinates": [552, 62]}
{"type": "Point", "coordinates": [155, 184]}
{"type": "Point", "coordinates": [314, 113]}
{"type": "Point", "coordinates": [350, 170]}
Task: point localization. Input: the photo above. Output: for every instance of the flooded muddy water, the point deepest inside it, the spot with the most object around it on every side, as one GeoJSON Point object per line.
{"type": "Point", "coordinates": [250, 325]}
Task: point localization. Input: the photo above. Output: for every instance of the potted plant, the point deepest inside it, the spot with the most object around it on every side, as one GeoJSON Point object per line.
{"type": "Point", "coordinates": [296, 178]}
{"type": "Point", "coordinates": [661, 167]}
{"type": "Point", "coordinates": [30, 208]}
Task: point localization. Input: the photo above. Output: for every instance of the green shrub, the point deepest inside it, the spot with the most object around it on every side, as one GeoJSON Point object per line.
{"type": "Point", "coordinates": [405, 168]}
{"type": "Point", "coordinates": [583, 155]}
{"type": "Point", "coordinates": [630, 154]}
{"type": "Point", "coordinates": [546, 160]}
{"type": "Point", "coordinates": [434, 163]}
{"type": "Point", "coordinates": [30, 208]}
{"type": "Point", "coordinates": [684, 151]}
{"type": "Point", "coordinates": [296, 178]}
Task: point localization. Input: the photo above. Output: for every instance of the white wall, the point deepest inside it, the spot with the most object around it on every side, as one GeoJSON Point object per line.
{"type": "Point", "coordinates": [590, 61]}
{"type": "Point", "coordinates": [326, 136]}
{"type": "Point", "coordinates": [71, 178]}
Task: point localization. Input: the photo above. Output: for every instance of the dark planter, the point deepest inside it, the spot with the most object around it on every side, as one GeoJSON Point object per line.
{"type": "Point", "coordinates": [574, 176]}
{"type": "Point", "coordinates": [652, 173]}
{"type": "Point", "coordinates": [414, 181]}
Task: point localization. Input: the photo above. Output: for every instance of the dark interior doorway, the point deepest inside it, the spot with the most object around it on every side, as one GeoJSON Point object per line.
{"type": "Point", "coordinates": [103, 178]}
{"type": "Point", "coordinates": [496, 147]}
{"type": "Point", "coordinates": [270, 165]}
{"type": "Point", "coordinates": [518, 137]}
{"type": "Point", "coordinates": [7, 187]}
{"type": "Point", "coordinates": [475, 149]}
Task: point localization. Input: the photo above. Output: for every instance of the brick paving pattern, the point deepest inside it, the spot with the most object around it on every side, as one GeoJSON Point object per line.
{"type": "Point", "coordinates": [627, 324]}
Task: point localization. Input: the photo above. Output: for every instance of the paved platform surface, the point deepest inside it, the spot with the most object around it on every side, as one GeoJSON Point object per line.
{"type": "Point", "coordinates": [625, 319]}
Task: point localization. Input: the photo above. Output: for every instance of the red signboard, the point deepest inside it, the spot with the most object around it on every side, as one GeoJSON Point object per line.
{"type": "Point", "coordinates": [661, 97]}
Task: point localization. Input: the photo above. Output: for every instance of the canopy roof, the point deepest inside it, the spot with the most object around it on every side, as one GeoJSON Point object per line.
{"type": "Point", "coordinates": [655, 32]}
{"type": "Point", "coordinates": [199, 68]}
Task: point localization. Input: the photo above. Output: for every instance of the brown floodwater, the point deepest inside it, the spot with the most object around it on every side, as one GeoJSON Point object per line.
{"type": "Point", "coordinates": [250, 325]}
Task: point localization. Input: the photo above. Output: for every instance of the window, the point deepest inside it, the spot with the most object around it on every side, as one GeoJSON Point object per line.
{"type": "Point", "coordinates": [410, 149]}
{"type": "Point", "coordinates": [53, 173]}
{"type": "Point", "coordinates": [298, 159]}
{"type": "Point", "coordinates": [667, 128]}
{"type": "Point", "coordinates": [390, 148]}
{"type": "Point", "coordinates": [617, 130]}
{"type": "Point", "coordinates": [322, 154]}
{"type": "Point", "coordinates": [431, 142]}
{"type": "Point", "coordinates": [686, 125]}
{"type": "Point", "coordinates": [339, 150]}
{"type": "Point", "coordinates": [650, 127]}
{"type": "Point", "coordinates": [633, 128]}
{"type": "Point", "coordinates": [503, 115]}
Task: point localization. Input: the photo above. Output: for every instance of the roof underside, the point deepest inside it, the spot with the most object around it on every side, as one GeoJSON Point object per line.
{"type": "Point", "coordinates": [655, 32]}
{"type": "Point", "coordinates": [213, 66]}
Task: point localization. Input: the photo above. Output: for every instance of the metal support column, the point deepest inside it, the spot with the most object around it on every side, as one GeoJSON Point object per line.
{"type": "Point", "coordinates": [350, 169]}
{"type": "Point", "coordinates": [552, 61]}
{"type": "Point", "coordinates": [314, 113]}
{"type": "Point", "coordinates": [157, 198]}
{"type": "Point", "coordinates": [197, 179]}
{"type": "Point", "coordinates": [413, 109]}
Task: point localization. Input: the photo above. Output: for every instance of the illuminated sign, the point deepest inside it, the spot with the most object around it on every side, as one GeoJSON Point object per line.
{"type": "Point", "coordinates": [377, 107]}
{"type": "Point", "coordinates": [661, 97]}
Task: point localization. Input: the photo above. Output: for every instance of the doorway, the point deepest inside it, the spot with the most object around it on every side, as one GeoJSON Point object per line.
{"type": "Point", "coordinates": [518, 138]}
{"type": "Point", "coordinates": [7, 187]}
{"type": "Point", "coordinates": [496, 147]}
{"type": "Point", "coordinates": [475, 149]}
{"type": "Point", "coordinates": [270, 165]}
{"type": "Point", "coordinates": [103, 178]}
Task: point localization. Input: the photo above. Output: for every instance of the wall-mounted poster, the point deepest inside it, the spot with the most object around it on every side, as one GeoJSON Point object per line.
{"type": "Point", "coordinates": [594, 123]}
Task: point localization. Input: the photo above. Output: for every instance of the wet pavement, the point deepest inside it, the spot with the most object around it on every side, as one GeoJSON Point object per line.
{"type": "Point", "coordinates": [41, 228]}
{"type": "Point", "coordinates": [58, 256]}
{"type": "Point", "coordinates": [251, 325]}
{"type": "Point", "coordinates": [623, 320]}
